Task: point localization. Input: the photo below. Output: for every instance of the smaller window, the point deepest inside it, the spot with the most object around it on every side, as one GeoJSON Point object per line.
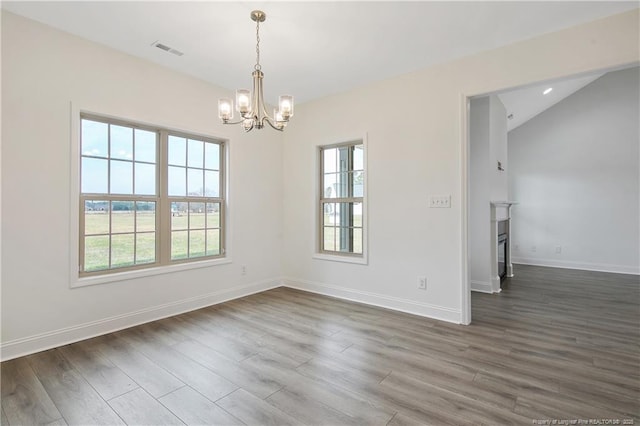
{"type": "Point", "coordinates": [342, 199]}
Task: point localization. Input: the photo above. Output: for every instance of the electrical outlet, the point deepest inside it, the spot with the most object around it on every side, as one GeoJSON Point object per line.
{"type": "Point", "coordinates": [516, 247]}
{"type": "Point", "coordinates": [533, 249]}
{"type": "Point", "coordinates": [440, 201]}
{"type": "Point", "coordinates": [243, 270]}
{"type": "Point", "coordinates": [422, 283]}
{"type": "Point", "coordinates": [558, 249]}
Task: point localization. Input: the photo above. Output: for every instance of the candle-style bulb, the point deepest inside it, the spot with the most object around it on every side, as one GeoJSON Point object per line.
{"type": "Point", "coordinates": [286, 106]}
{"type": "Point", "coordinates": [225, 109]}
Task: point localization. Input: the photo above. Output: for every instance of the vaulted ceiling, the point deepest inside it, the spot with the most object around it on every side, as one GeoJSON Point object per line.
{"type": "Point", "coordinates": [524, 103]}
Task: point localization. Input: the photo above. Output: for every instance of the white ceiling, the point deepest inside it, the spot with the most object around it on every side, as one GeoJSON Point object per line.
{"type": "Point", "coordinates": [530, 101]}
{"type": "Point", "coordinates": [310, 49]}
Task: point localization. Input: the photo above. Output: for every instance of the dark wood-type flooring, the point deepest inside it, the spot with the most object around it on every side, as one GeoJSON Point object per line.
{"type": "Point", "coordinates": [555, 344]}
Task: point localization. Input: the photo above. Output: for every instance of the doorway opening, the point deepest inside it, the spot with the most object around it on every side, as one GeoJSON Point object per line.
{"type": "Point", "coordinates": [505, 114]}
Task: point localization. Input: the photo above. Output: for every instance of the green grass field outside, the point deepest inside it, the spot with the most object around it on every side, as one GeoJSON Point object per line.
{"type": "Point", "coordinates": [332, 231]}
{"type": "Point", "coordinates": [133, 239]}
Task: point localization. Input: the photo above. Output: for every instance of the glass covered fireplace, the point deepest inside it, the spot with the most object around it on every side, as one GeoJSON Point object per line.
{"type": "Point", "coordinates": [502, 256]}
{"type": "Point", "coordinates": [501, 266]}
{"type": "Point", "coordinates": [503, 247]}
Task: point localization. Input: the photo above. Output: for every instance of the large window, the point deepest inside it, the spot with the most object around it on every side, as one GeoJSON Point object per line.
{"type": "Point", "coordinates": [148, 196]}
{"type": "Point", "coordinates": [342, 199]}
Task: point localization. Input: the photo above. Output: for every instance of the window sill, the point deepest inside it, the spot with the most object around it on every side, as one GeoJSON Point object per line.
{"type": "Point", "coordinates": [345, 259]}
{"type": "Point", "coordinates": [141, 273]}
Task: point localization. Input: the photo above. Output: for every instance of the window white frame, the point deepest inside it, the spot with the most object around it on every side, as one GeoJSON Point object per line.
{"type": "Point", "coordinates": [114, 275]}
{"type": "Point", "coordinates": [319, 253]}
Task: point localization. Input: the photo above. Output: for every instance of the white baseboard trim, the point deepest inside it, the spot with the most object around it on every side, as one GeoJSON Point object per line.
{"type": "Point", "coordinates": [389, 302]}
{"type": "Point", "coordinates": [52, 339]}
{"type": "Point", "coordinates": [598, 267]}
{"type": "Point", "coordinates": [495, 285]}
{"type": "Point", "coordinates": [481, 287]}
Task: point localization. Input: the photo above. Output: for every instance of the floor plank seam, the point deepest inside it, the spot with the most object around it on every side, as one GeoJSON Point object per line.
{"type": "Point", "coordinates": [274, 392]}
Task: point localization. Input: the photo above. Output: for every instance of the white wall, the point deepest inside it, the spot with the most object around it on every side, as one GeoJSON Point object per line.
{"type": "Point", "coordinates": [415, 148]}
{"type": "Point", "coordinates": [575, 171]}
{"type": "Point", "coordinates": [479, 194]}
{"type": "Point", "coordinates": [487, 146]}
{"type": "Point", "coordinates": [498, 150]}
{"type": "Point", "coordinates": [43, 71]}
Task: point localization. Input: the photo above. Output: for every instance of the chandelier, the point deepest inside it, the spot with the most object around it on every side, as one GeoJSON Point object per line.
{"type": "Point", "coordinates": [250, 104]}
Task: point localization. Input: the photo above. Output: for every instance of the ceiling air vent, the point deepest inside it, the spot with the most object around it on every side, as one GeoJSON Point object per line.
{"type": "Point", "coordinates": [167, 48]}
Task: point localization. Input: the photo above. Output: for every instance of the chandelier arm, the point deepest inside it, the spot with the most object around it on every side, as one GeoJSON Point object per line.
{"type": "Point", "coordinates": [257, 94]}
{"type": "Point", "coordinates": [265, 114]}
{"type": "Point", "coordinates": [232, 122]}
{"type": "Point", "coordinates": [276, 127]}
{"type": "Point", "coordinates": [259, 109]}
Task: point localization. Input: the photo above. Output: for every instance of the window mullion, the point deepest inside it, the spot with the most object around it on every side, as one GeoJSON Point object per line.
{"type": "Point", "coordinates": [188, 216]}
{"type": "Point", "coordinates": [109, 167]}
{"type": "Point", "coordinates": [82, 218]}
{"type": "Point", "coordinates": [163, 235]}
{"type": "Point", "coordinates": [110, 212]}
{"type": "Point", "coordinates": [135, 228]}
{"type": "Point", "coordinates": [222, 194]}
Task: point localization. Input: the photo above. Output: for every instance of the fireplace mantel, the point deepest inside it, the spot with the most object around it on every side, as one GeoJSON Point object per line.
{"type": "Point", "coordinates": [501, 210]}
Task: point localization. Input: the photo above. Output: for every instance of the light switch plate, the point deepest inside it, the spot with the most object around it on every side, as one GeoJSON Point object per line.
{"type": "Point", "coordinates": [440, 202]}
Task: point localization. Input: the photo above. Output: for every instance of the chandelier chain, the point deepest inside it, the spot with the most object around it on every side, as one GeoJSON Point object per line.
{"type": "Point", "coordinates": [257, 67]}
